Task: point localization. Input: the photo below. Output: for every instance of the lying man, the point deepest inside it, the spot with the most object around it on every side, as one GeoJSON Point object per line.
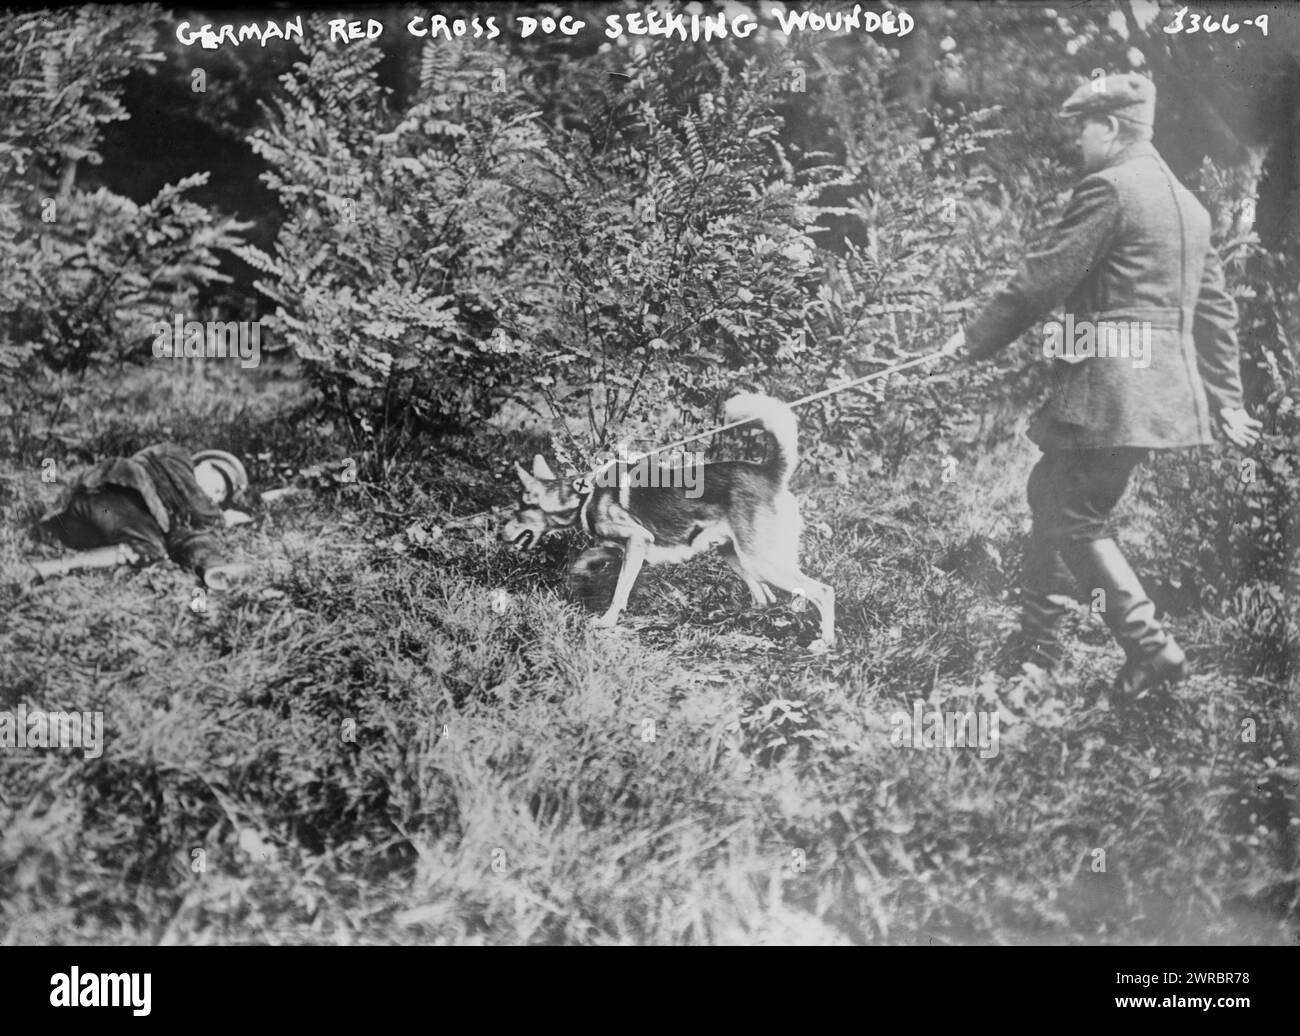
{"type": "Point", "coordinates": [158, 503]}
{"type": "Point", "coordinates": [1132, 251]}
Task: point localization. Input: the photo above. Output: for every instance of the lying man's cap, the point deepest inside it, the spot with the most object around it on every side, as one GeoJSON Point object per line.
{"type": "Point", "coordinates": [1127, 96]}
{"type": "Point", "coordinates": [219, 474]}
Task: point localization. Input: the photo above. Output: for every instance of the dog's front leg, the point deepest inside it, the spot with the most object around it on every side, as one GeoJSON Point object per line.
{"type": "Point", "coordinates": [633, 558]}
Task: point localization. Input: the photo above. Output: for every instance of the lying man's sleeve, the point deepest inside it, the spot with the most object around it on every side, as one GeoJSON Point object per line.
{"type": "Point", "coordinates": [1215, 332]}
{"type": "Point", "coordinates": [1048, 275]}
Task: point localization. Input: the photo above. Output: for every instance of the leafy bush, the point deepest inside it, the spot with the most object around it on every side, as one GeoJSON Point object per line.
{"type": "Point", "coordinates": [676, 231]}
{"type": "Point", "coordinates": [899, 294]}
{"type": "Point", "coordinates": [655, 244]}
{"type": "Point", "coordinates": [87, 273]}
{"type": "Point", "coordinates": [390, 267]}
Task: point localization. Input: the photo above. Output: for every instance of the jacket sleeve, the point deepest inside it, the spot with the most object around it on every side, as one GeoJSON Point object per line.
{"type": "Point", "coordinates": [1048, 275]}
{"type": "Point", "coordinates": [130, 473]}
{"type": "Point", "coordinates": [1215, 332]}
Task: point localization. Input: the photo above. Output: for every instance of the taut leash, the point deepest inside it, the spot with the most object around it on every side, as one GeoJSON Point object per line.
{"type": "Point", "coordinates": [833, 390]}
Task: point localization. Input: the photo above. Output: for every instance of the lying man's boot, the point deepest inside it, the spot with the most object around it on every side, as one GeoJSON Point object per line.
{"type": "Point", "coordinates": [1154, 658]}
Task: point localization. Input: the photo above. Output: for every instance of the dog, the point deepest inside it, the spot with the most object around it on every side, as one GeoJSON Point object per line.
{"type": "Point", "coordinates": [743, 508]}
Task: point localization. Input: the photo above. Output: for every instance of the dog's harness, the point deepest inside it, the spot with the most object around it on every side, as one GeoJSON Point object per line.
{"type": "Point", "coordinates": [584, 489]}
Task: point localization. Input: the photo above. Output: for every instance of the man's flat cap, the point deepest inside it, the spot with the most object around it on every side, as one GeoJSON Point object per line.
{"type": "Point", "coordinates": [1128, 96]}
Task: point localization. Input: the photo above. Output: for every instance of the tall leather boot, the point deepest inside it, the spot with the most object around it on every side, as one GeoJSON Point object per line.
{"type": "Point", "coordinates": [1153, 656]}
{"type": "Point", "coordinates": [1046, 599]}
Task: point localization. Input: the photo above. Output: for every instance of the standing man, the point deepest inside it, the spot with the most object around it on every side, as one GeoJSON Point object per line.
{"type": "Point", "coordinates": [1150, 363]}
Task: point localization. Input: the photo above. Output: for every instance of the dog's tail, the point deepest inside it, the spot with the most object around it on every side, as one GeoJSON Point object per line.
{"type": "Point", "coordinates": [778, 421]}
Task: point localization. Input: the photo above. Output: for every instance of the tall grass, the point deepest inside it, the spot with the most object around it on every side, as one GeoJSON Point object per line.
{"type": "Point", "coordinates": [401, 737]}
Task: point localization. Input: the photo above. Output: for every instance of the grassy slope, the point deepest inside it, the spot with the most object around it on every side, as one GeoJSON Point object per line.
{"type": "Point", "coordinates": [697, 776]}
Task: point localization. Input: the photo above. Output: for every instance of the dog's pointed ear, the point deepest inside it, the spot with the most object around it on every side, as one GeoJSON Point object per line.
{"type": "Point", "coordinates": [525, 476]}
{"type": "Point", "coordinates": [541, 469]}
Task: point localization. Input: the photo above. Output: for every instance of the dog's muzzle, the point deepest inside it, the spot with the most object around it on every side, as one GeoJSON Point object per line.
{"type": "Point", "coordinates": [522, 535]}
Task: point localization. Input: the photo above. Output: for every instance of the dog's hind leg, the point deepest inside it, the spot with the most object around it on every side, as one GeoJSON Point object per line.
{"type": "Point", "coordinates": [758, 591]}
{"type": "Point", "coordinates": [767, 547]}
{"type": "Point", "coordinates": [792, 580]}
{"type": "Point", "coordinates": [634, 555]}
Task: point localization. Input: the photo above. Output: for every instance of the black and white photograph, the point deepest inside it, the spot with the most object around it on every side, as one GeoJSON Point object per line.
{"type": "Point", "coordinates": [650, 474]}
